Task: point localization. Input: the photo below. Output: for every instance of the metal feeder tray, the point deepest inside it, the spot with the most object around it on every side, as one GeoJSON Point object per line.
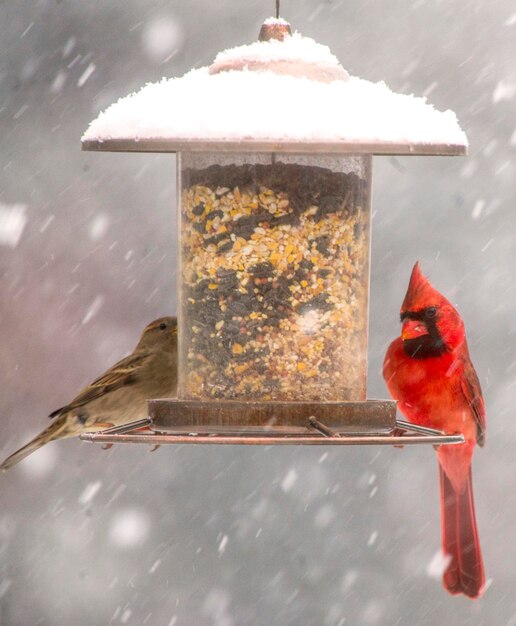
{"type": "Point", "coordinates": [317, 427]}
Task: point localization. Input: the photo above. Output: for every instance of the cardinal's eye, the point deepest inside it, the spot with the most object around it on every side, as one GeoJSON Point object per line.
{"type": "Point", "coordinates": [162, 326]}
{"type": "Point", "coordinates": [431, 311]}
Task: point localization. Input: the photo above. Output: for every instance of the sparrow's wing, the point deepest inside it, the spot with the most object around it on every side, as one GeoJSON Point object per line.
{"type": "Point", "coordinates": [473, 394]}
{"type": "Point", "coordinates": [121, 374]}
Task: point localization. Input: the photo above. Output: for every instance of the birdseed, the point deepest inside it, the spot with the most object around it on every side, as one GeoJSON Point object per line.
{"type": "Point", "coordinates": [274, 283]}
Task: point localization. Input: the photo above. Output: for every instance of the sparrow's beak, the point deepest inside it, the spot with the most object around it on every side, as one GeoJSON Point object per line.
{"type": "Point", "coordinates": [412, 329]}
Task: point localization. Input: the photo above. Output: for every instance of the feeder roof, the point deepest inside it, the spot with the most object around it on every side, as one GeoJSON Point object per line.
{"type": "Point", "coordinates": [281, 96]}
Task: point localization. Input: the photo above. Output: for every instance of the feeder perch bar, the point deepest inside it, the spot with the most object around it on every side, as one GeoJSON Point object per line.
{"type": "Point", "coordinates": [318, 434]}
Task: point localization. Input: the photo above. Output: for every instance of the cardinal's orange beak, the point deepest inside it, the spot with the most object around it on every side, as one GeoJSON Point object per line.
{"type": "Point", "coordinates": [412, 329]}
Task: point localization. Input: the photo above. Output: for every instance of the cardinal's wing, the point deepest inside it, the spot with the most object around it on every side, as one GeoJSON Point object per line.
{"type": "Point", "coordinates": [473, 394]}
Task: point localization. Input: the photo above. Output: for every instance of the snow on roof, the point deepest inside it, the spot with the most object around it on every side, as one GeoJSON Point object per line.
{"type": "Point", "coordinates": [293, 48]}
{"type": "Point", "coordinates": [272, 21]}
{"type": "Point", "coordinates": [264, 106]}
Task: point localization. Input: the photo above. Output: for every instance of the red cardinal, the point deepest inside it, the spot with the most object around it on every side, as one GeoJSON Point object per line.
{"type": "Point", "coordinates": [429, 371]}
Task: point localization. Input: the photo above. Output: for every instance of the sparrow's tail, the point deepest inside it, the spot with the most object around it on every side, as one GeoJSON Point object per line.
{"type": "Point", "coordinates": [58, 429]}
{"type": "Point", "coordinates": [465, 571]}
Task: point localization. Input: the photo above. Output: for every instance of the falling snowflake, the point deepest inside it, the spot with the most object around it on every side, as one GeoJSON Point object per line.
{"type": "Point", "coordinates": [129, 528]}
{"type": "Point", "coordinates": [89, 492]}
{"type": "Point", "coordinates": [13, 219]}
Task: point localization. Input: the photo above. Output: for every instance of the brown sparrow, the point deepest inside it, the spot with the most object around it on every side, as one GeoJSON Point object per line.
{"type": "Point", "coordinates": [120, 395]}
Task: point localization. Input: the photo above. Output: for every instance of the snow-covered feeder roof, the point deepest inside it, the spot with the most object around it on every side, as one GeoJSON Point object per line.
{"type": "Point", "coordinates": [288, 95]}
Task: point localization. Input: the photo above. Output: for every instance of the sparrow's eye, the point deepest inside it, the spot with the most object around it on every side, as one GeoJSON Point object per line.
{"type": "Point", "coordinates": [431, 311]}
{"type": "Point", "coordinates": [162, 326]}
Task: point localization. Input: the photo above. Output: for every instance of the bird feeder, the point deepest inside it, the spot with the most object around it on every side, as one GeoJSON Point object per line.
{"type": "Point", "coordinates": [274, 144]}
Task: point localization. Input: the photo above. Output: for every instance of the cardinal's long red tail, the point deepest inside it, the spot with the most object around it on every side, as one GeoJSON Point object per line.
{"type": "Point", "coordinates": [465, 571]}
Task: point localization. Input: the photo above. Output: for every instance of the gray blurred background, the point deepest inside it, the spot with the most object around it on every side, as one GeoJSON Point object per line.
{"type": "Point", "coordinates": [229, 536]}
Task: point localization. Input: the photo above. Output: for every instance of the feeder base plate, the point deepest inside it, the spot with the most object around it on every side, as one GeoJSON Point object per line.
{"type": "Point", "coordinates": [266, 417]}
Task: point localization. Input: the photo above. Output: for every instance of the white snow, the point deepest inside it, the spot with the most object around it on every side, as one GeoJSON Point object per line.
{"type": "Point", "coordinates": [511, 20]}
{"type": "Point", "coordinates": [162, 37]}
{"type": "Point", "coordinates": [93, 309]}
{"type": "Point", "coordinates": [59, 82]}
{"type": "Point", "coordinates": [275, 20]}
{"type": "Point", "coordinates": [89, 492]}
{"type": "Point", "coordinates": [469, 168]}
{"type": "Point", "coordinates": [68, 47]}
{"type": "Point", "coordinates": [289, 481]}
{"type": "Point", "coordinates": [155, 566]}
{"type": "Point", "coordinates": [222, 545]}
{"type": "Point", "coordinates": [372, 538]}
{"type": "Point", "coordinates": [324, 516]}
{"type": "Point", "coordinates": [86, 74]}
{"type": "Point", "coordinates": [265, 106]}
{"type": "Point", "coordinates": [47, 223]}
{"type": "Point", "coordinates": [13, 219]}
{"type": "Point", "coordinates": [438, 564]}
{"type": "Point", "coordinates": [486, 245]}
{"type": "Point", "coordinates": [40, 463]}
{"type": "Point", "coordinates": [293, 48]}
{"type": "Point", "coordinates": [504, 91]}
{"type": "Point", "coordinates": [478, 208]}
{"type": "Point", "coordinates": [216, 606]}
{"type": "Point", "coordinates": [129, 528]}
{"type": "Point", "coordinates": [27, 30]}
{"type": "Point", "coordinates": [348, 580]}
{"type": "Point", "coordinates": [20, 111]}
{"type": "Point", "coordinates": [98, 226]}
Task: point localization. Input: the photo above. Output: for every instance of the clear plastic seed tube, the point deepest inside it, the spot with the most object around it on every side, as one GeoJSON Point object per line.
{"type": "Point", "coordinates": [274, 276]}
